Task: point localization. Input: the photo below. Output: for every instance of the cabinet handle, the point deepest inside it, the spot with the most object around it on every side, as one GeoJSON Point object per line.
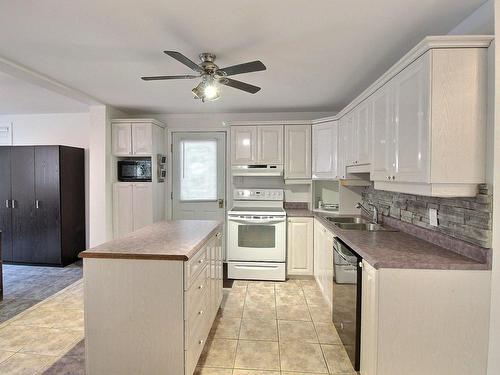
{"type": "Point", "coordinates": [7, 203]}
{"type": "Point", "coordinates": [388, 177]}
{"type": "Point", "coordinates": [393, 177]}
{"type": "Point", "coordinates": [200, 287]}
{"type": "Point", "coordinates": [200, 312]}
{"type": "Point", "coordinates": [37, 203]}
{"type": "Point", "coordinates": [13, 203]}
{"type": "Point", "coordinates": [200, 261]}
{"type": "Point", "coordinates": [201, 342]}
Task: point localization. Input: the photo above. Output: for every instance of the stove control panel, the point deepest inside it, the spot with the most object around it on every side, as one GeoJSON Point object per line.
{"type": "Point", "coordinates": [258, 194]}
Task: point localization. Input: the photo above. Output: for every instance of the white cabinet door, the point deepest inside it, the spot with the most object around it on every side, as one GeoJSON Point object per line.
{"type": "Point", "coordinates": [411, 122]}
{"type": "Point", "coordinates": [343, 147]}
{"type": "Point", "coordinates": [123, 217]}
{"type": "Point", "coordinates": [325, 150]}
{"type": "Point", "coordinates": [316, 250]}
{"type": "Point", "coordinates": [328, 269]}
{"type": "Point", "coordinates": [383, 158]}
{"type": "Point", "coordinates": [142, 139]}
{"type": "Point", "coordinates": [363, 133]}
{"type": "Point", "coordinates": [351, 143]}
{"type": "Point", "coordinates": [298, 152]}
{"type": "Point", "coordinates": [143, 204]}
{"type": "Point", "coordinates": [243, 144]}
{"type": "Point", "coordinates": [300, 253]}
{"type": "Point", "coordinates": [122, 139]}
{"type": "Point", "coordinates": [369, 321]}
{"type": "Point", "coordinates": [270, 144]}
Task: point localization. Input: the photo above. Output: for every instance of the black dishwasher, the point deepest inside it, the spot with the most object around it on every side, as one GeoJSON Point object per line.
{"type": "Point", "coordinates": [346, 310]}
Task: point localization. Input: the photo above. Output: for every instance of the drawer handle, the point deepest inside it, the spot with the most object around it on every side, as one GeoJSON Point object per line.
{"type": "Point", "coordinates": [200, 261]}
{"type": "Point", "coordinates": [200, 287]}
{"type": "Point", "coordinates": [200, 312]}
{"type": "Point", "coordinates": [201, 342]}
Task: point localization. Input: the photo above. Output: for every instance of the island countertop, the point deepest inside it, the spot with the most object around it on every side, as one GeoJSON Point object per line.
{"type": "Point", "coordinates": [165, 240]}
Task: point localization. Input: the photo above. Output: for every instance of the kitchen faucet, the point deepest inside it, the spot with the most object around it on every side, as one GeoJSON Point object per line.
{"type": "Point", "coordinates": [373, 214]}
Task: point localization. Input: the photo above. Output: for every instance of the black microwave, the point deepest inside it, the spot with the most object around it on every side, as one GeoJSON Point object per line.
{"type": "Point", "coordinates": [134, 170]}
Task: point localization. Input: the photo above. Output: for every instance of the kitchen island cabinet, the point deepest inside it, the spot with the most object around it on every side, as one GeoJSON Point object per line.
{"type": "Point", "coordinates": [151, 298]}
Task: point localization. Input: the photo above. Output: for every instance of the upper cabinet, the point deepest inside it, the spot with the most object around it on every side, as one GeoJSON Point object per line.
{"type": "Point", "coordinates": [244, 144]}
{"type": "Point", "coordinates": [298, 152]}
{"type": "Point", "coordinates": [325, 150]}
{"type": "Point", "coordinates": [270, 144]}
{"type": "Point", "coordinates": [261, 144]}
{"type": "Point", "coordinates": [429, 125]}
{"type": "Point", "coordinates": [136, 138]}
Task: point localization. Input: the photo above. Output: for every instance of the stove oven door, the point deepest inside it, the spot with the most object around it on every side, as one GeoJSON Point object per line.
{"type": "Point", "coordinates": [257, 238]}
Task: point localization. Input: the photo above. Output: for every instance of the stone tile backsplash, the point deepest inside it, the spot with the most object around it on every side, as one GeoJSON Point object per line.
{"type": "Point", "coordinates": [468, 219]}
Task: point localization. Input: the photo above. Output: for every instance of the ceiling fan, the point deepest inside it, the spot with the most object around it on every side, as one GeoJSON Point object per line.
{"type": "Point", "coordinates": [212, 76]}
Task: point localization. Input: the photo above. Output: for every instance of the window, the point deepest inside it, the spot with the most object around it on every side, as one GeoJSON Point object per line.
{"type": "Point", "coordinates": [198, 170]}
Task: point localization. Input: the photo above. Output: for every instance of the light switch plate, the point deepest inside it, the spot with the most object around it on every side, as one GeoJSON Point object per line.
{"type": "Point", "coordinates": [433, 217]}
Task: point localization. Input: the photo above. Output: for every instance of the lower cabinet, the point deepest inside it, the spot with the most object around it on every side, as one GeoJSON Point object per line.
{"type": "Point", "coordinates": [433, 322]}
{"type": "Point", "coordinates": [323, 260]}
{"type": "Point", "coordinates": [300, 246]}
{"type": "Point", "coordinates": [132, 206]}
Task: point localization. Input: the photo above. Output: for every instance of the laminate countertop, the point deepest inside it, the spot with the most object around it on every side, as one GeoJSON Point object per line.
{"type": "Point", "coordinates": [165, 240]}
{"type": "Point", "coordinates": [397, 249]}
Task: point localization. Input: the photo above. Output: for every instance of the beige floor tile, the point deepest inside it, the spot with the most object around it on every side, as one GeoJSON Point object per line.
{"type": "Point", "coordinates": [213, 371]}
{"type": "Point", "coordinates": [24, 364]}
{"type": "Point", "coordinates": [226, 328]}
{"type": "Point", "coordinates": [337, 359]}
{"type": "Point", "coordinates": [254, 372]}
{"type": "Point", "coordinates": [259, 312]}
{"type": "Point", "coordinates": [320, 313]}
{"type": "Point", "coordinates": [14, 338]}
{"type": "Point", "coordinates": [327, 333]}
{"type": "Point", "coordinates": [240, 283]}
{"type": "Point", "coordinates": [218, 353]}
{"type": "Point", "coordinates": [290, 299]}
{"type": "Point", "coordinates": [296, 331]}
{"type": "Point", "coordinates": [293, 312]}
{"type": "Point", "coordinates": [51, 341]}
{"type": "Point", "coordinates": [39, 316]}
{"type": "Point", "coordinates": [302, 357]}
{"type": "Point", "coordinates": [66, 366]}
{"type": "Point", "coordinates": [4, 355]}
{"type": "Point", "coordinates": [259, 329]}
{"type": "Point", "coordinates": [257, 355]}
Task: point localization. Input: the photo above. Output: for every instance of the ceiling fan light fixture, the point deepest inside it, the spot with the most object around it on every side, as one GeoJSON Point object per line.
{"type": "Point", "coordinates": [211, 92]}
{"type": "Point", "coordinates": [207, 89]}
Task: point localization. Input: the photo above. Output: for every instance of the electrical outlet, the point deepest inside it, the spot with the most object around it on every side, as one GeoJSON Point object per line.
{"type": "Point", "coordinates": [433, 217]}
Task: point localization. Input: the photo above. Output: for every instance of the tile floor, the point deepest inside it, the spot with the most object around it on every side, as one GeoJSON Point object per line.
{"type": "Point", "coordinates": [267, 328]}
{"type": "Point", "coordinates": [263, 328]}
{"type": "Point", "coordinates": [25, 286]}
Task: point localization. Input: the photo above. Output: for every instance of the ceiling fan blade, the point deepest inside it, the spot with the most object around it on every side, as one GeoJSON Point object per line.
{"type": "Point", "coordinates": [253, 66]}
{"type": "Point", "coordinates": [161, 78]}
{"type": "Point", "coordinates": [184, 60]}
{"type": "Point", "coordinates": [239, 85]}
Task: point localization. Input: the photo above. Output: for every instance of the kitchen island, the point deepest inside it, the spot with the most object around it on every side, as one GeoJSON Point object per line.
{"type": "Point", "coordinates": [151, 297]}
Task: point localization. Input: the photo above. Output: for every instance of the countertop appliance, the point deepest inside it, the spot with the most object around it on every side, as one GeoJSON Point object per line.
{"type": "Point", "coordinates": [257, 235]}
{"type": "Point", "coordinates": [259, 170]}
{"type": "Point", "coordinates": [346, 299]}
{"type": "Point", "coordinates": [134, 170]}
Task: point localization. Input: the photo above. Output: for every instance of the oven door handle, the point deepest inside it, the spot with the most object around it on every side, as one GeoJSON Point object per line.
{"type": "Point", "coordinates": [257, 221]}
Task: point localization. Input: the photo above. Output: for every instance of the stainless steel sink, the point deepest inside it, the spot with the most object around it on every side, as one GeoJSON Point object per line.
{"type": "Point", "coordinates": [347, 220]}
{"type": "Point", "coordinates": [371, 227]}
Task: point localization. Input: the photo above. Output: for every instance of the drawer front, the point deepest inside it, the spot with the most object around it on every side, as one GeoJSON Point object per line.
{"type": "Point", "coordinates": [195, 295]}
{"type": "Point", "coordinates": [198, 323]}
{"type": "Point", "coordinates": [194, 266]}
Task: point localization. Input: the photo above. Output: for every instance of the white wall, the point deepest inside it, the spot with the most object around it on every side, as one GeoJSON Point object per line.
{"type": "Point", "coordinates": [479, 22]}
{"type": "Point", "coordinates": [69, 129]}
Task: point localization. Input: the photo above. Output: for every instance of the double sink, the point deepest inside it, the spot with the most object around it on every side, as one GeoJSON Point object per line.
{"type": "Point", "coordinates": [355, 223]}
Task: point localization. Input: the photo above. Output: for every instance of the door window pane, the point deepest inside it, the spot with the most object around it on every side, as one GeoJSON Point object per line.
{"type": "Point", "coordinates": [198, 170]}
{"type": "Point", "coordinates": [260, 236]}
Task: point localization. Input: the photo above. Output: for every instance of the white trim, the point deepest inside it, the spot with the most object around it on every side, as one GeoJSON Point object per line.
{"type": "Point", "coordinates": [139, 120]}
{"type": "Point", "coordinates": [273, 122]}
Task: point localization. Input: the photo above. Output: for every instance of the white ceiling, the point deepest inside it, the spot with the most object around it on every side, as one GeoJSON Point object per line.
{"type": "Point", "coordinates": [20, 97]}
{"type": "Point", "coordinates": [320, 54]}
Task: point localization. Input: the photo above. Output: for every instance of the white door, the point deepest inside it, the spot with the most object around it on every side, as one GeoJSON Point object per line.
{"type": "Point", "coordinates": [143, 204]}
{"type": "Point", "coordinates": [199, 176]}
{"type": "Point", "coordinates": [142, 139]}
{"type": "Point", "coordinates": [123, 216]}
{"type": "Point", "coordinates": [243, 144]}
{"type": "Point", "coordinates": [122, 139]}
{"type": "Point", "coordinates": [325, 150]}
{"type": "Point", "coordinates": [300, 246]}
{"type": "Point", "coordinates": [363, 133]}
{"type": "Point", "coordinates": [383, 157]}
{"type": "Point", "coordinates": [411, 122]}
{"type": "Point", "coordinates": [270, 144]}
{"type": "Point", "coordinates": [298, 152]}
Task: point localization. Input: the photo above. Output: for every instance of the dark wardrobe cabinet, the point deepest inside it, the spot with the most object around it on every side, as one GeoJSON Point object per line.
{"type": "Point", "coordinates": [42, 204]}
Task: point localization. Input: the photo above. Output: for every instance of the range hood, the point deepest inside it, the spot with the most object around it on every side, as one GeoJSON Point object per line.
{"type": "Point", "coordinates": [258, 170]}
